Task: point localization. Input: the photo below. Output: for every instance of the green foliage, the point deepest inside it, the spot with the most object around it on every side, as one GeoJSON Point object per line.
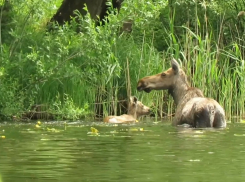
{"type": "Point", "coordinates": [73, 73]}
{"type": "Point", "coordinates": [67, 109]}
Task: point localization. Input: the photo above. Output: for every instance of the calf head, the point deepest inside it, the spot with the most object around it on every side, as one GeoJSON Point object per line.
{"type": "Point", "coordinates": [137, 108]}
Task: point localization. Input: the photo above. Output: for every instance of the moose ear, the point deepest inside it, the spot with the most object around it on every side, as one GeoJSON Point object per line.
{"type": "Point", "coordinates": [175, 66]}
{"type": "Point", "coordinates": [133, 99]}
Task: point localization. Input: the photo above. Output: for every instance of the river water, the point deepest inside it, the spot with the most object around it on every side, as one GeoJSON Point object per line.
{"type": "Point", "coordinates": [143, 152]}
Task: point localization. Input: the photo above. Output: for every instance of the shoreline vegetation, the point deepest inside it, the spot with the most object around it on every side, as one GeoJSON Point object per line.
{"type": "Point", "coordinates": [65, 74]}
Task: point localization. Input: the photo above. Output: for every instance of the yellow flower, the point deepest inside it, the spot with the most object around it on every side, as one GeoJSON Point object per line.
{"type": "Point", "coordinates": [38, 126]}
{"type": "Point", "coordinates": [94, 130]}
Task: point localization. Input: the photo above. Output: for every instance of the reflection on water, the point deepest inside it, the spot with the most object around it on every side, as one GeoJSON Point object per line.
{"type": "Point", "coordinates": [142, 152]}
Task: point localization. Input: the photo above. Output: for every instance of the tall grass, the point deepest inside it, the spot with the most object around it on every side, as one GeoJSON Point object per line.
{"type": "Point", "coordinates": [86, 74]}
{"type": "Point", "coordinates": [209, 66]}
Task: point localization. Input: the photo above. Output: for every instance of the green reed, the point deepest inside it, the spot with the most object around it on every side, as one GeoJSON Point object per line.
{"type": "Point", "coordinates": [218, 79]}
{"type": "Point", "coordinates": [92, 72]}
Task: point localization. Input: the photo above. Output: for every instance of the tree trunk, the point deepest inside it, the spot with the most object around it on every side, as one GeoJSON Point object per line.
{"type": "Point", "coordinates": [95, 8]}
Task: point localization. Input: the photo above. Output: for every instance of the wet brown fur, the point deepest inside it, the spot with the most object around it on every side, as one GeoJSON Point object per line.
{"type": "Point", "coordinates": [192, 107]}
{"type": "Point", "coordinates": [135, 110]}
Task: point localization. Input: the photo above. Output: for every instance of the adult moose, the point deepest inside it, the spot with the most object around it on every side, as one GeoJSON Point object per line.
{"type": "Point", "coordinates": [192, 107]}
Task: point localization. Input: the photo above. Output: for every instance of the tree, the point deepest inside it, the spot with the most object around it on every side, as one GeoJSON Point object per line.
{"type": "Point", "coordinates": [97, 9]}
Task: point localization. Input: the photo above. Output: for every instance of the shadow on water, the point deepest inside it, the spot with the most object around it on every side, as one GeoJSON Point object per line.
{"type": "Point", "coordinates": [93, 151]}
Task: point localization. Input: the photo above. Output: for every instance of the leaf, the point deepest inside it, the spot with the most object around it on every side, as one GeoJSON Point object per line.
{"type": "Point", "coordinates": [37, 126]}
{"type": "Point", "coordinates": [239, 135]}
{"type": "Point", "coordinates": [94, 131]}
{"type": "Point", "coordinates": [136, 129]}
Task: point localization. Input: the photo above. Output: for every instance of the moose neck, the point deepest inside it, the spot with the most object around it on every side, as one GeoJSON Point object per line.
{"type": "Point", "coordinates": [179, 90]}
{"type": "Point", "coordinates": [132, 112]}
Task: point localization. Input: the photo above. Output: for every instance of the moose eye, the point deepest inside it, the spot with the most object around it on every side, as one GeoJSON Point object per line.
{"type": "Point", "coordinates": [163, 74]}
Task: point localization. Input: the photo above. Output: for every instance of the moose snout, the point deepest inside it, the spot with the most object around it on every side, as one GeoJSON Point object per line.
{"type": "Point", "coordinates": [147, 110]}
{"type": "Point", "coordinates": [147, 90]}
{"type": "Point", "coordinates": [139, 88]}
{"type": "Point", "coordinates": [141, 85]}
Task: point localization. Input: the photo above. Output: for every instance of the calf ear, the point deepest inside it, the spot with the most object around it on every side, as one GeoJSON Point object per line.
{"type": "Point", "coordinates": [133, 99]}
{"type": "Point", "coordinates": [175, 66]}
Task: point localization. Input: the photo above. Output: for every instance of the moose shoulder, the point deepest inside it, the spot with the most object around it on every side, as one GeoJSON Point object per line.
{"type": "Point", "coordinates": [192, 107]}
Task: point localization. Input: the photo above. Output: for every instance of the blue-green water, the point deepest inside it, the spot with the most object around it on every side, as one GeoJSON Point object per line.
{"type": "Point", "coordinates": [143, 152]}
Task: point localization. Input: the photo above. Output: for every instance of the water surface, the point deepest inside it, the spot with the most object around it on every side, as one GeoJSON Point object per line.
{"type": "Point", "coordinates": [124, 153]}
